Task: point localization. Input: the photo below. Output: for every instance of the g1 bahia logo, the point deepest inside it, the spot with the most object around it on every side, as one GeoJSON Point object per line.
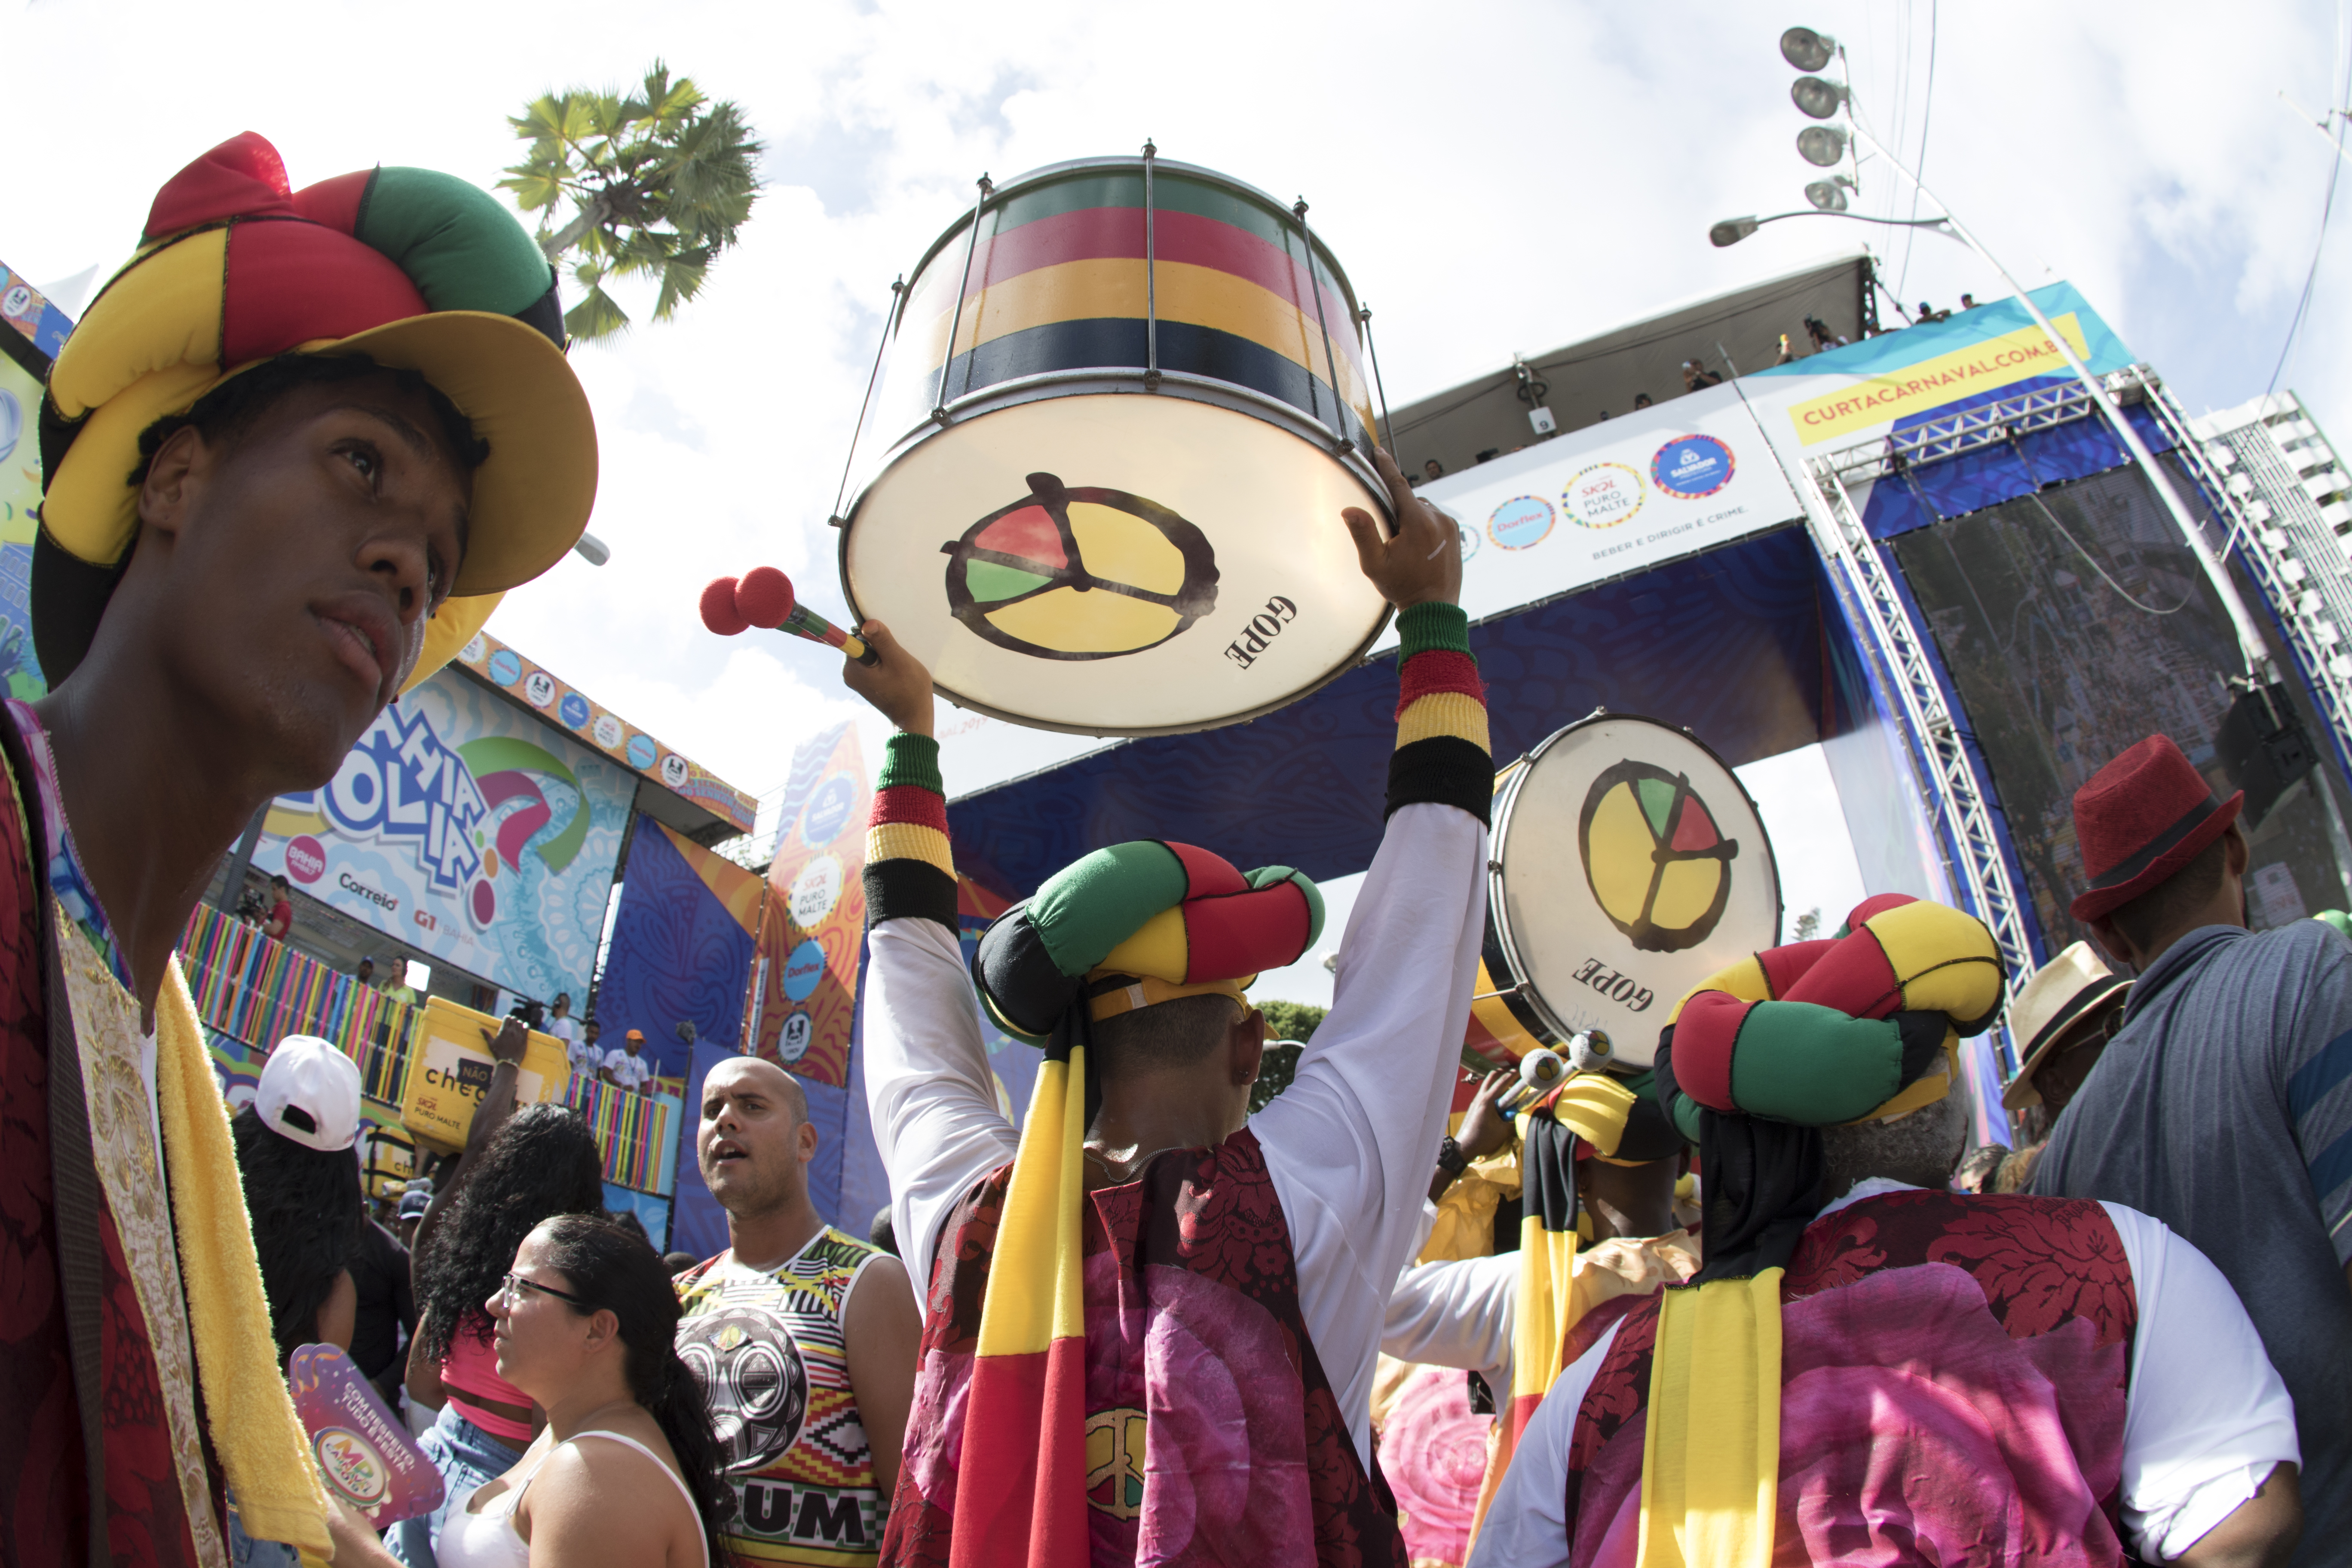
{"type": "Point", "coordinates": [467, 814]}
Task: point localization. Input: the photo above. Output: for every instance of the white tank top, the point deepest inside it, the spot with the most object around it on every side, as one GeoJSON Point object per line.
{"type": "Point", "coordinates": [488, 1538]}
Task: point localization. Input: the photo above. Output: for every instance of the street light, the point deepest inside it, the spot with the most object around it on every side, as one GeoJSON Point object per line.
{"type": "Point", "coordinates": [1806, 49]}
{"type": "Point", "coordinates": [1822, 145]}
{"type": "Point", "coordinates": [1818, 97]}
{"type": "Point", "coordinates": [1825, 145]}
{"type": "Point", "coordinates": [1829, 194]}
{"type": "Point", "coordinates": [1732, 230]}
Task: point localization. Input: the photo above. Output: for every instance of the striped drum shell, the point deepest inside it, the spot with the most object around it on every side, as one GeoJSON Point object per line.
{"type": "Point", "coordinates": [1127, 399]}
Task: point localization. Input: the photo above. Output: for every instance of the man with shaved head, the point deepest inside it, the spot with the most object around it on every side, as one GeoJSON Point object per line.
{"type": "Point", "coordinates": [803, 1338]}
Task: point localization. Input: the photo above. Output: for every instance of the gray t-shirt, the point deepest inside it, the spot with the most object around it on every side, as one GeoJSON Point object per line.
{"type": "Point", "coordinates": [2224, 1109]}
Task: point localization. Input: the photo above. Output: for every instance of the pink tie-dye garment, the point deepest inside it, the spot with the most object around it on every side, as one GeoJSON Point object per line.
{"type": "Point", "coordinates": [1953, 1376]}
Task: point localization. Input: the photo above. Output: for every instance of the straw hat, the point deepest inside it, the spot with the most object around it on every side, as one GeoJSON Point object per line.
{"type": "Point", "coordinates": [2061, 993]}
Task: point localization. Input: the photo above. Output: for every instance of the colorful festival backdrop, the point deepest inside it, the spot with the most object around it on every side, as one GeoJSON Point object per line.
{"type": "Point", "coordinates": [20, 502]}
{"type": "Point", "coordinates": [681, 948]}
{"type": "Point", "coordinates": [470, 831]}
{"type": "Point", "coordinates": [593, 724]}
{"type": "Point", "coordinates": [813, 932]}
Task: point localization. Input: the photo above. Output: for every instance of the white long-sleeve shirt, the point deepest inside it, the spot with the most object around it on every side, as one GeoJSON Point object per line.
{"type": "Point", "coordinates": [1349, 1144]}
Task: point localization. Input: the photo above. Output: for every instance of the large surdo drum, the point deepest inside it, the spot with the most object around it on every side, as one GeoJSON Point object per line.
{"type": "Point", "coordinates": [1124, 403]}
{"type": "Point", "coordinates": [1629, 864]}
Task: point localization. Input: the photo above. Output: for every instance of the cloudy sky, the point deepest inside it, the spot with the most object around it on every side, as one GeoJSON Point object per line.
{"type": "Point", "coordinates": [1494, 176]}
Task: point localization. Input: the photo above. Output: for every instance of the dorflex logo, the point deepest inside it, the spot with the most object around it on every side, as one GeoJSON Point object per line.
{"type": "Point", "coordinates": [1691, 466]}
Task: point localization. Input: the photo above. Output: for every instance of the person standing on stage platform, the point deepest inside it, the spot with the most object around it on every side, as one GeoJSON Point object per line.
{"type": "Point", "coordinates": [2223, 1106]}
{"type": "Point", "coordinates": [1169, 1274]}
{"type": "Point", "coordinates": [803, 1338]}
{"type": "Point", "coordinates": [289, 455]}
{"type": "Point", "coordinates": [627, 1066]}
{"type": "Point", "coordinates": [1870, 1369]}
{"type": "Point", "coordinates": [559, 1021]}
{"type": "Point", "coordinates": [586, 1054]}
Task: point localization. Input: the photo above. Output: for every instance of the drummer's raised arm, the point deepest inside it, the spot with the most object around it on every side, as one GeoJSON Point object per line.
{"type": "Point", "coordinates": [1351, 1140]}
{"type": "Point", "coordinates": [932, 1099]}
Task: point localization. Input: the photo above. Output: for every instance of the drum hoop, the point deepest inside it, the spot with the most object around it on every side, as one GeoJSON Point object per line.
{"type": "Point", "coordinates": [1507, 799]}
{"type": "Point", "coordinates": [1048, 385]}
{"type": "Point", "coordinates": [1134, 160]}
{"type": "Point", "coordinates": [1357, 658]}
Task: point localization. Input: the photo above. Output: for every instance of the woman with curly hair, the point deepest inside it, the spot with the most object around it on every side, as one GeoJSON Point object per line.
{"type": "Point", "coordinates": [519, 1168]}
{"type": "Point", "coordinates": [627, 1473]}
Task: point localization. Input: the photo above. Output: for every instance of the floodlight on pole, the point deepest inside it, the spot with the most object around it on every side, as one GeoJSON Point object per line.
{"type": "Point", "coordinates": [1823, 146]}
{"type": "Point", "coordinates": [1818, 98]}
{"type": "Point", "coordinates": [1829, 195]}
{"type": "Point", "coordinates": [1806, 49]}
{"type": "Point", "coordinates": [2242, 620]}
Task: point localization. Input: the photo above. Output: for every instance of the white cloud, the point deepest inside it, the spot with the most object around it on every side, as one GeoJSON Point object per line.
{"type": "Point", "coordinates": [1498, 177]}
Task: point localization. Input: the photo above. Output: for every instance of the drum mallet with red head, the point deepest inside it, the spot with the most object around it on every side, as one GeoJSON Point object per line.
{"type": "Point", "coordinates": [763, 597]}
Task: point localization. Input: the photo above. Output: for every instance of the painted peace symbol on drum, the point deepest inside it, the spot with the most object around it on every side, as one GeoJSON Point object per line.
{"type": "Point", "coordinates": [1658, 866]}
{"type": "Point", "coordinates": [1080, 572]}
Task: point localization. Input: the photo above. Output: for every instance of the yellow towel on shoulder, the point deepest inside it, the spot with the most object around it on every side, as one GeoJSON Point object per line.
{"type": "Point", "coordinates": [251, 1417]}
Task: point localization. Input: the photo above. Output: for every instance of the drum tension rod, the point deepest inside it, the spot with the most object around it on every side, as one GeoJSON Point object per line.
{"type": "Point", "coordinates": [1506, 990]}
{"type": "Point", "coordinates": [898, 298]}
{"type": "Point", "coordinates": [1151, 277]}
{"type": "Point", "coordinates": [955, 322]}
{"type": "Point", "coordinates": [1330, 361]}
{"type": "Point", "coordinates": [1364, 320]}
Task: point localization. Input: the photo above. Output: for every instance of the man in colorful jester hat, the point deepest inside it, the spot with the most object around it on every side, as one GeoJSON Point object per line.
{"type": "Point", "coordinates": [1596, 1145]}
{"type": "Point", "coordinates": [293, 451]}
{"type": "Point", "coordinates": [1152, 1318]}
{"type": "Point", "coordinates": [1872, 1369]}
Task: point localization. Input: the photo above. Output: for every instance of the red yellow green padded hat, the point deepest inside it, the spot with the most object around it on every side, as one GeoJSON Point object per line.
{"type": "Point", "coordinates": [415, 270]}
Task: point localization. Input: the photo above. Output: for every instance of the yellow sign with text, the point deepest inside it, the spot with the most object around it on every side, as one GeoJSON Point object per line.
{"type": "Point", "coordinates": [1877, 400]}
{"type": "Point", "coordinates": [451, 1072]}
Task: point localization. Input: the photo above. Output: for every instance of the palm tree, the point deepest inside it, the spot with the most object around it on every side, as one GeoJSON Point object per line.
{"type": "Point", "coordinates": [660, 182]}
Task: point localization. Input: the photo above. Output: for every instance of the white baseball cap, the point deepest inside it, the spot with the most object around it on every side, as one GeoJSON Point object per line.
{"type": "Point", "coordinates": [310, 1092]}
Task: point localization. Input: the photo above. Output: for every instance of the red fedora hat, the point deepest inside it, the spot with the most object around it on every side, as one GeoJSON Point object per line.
{"type": "Point", "coordinates": [2139, 820]}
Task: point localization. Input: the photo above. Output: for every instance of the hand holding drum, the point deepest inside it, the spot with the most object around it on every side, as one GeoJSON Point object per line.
{"type": "Point", "coordinates": [763, 597]}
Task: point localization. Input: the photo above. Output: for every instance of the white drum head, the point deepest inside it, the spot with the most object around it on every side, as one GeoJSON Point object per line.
{"type": "Point", "coordinates": [1172, 565]}
{"type": "Point", "coordinates": [1633, 866]}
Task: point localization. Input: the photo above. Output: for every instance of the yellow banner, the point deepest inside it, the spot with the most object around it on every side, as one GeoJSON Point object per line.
{"type": "Point", "coordinates": [1980, 368]}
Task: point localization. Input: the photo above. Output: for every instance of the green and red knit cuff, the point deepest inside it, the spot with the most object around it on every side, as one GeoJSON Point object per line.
{"type": "Point", "coordinates": [1442, 754]}
{"type": "Point", "coordinates": [909, 864]}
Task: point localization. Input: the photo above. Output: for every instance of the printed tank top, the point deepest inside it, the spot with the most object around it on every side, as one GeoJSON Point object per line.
{"type": "Point", "coordinates": [770, 1354]}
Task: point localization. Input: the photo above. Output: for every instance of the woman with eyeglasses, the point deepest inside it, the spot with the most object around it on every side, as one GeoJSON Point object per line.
{"type": "Point", "coordinates": [627, 1471]}
{"type": "Point", "coordinates": [519, 1168]}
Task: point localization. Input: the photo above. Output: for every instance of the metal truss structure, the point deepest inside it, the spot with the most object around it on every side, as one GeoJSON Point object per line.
{"type": "Point", "coordinates": [2280, 504]}
{"type": "Point", "coordinates": [1957, 797]}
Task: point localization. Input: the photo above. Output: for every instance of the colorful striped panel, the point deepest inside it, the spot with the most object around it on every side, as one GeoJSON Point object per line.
{"type": "Point", "coordinates": [633, 1130]}
{"type": "Point", "coordinates": [258, 991]}
{"type": "Point", "coordinates": [1441, 742]}
{"type": "Point", "coordinates": [1071, 254]}
{"type": "Point", "coordinates": [1115, 289]}
{"type": "Point", "coordinates": [1118, 342]}
{"type": "Point", "coordinates": [909, 863]}
{"type": "Point", "coordinates": [1174, 197]}
{"type": "Point", "coordinates": [1180, 240]}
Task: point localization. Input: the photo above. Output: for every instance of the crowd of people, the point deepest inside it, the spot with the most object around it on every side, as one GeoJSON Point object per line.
{"type": "Point", "coordinates": [1749, 1318]}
